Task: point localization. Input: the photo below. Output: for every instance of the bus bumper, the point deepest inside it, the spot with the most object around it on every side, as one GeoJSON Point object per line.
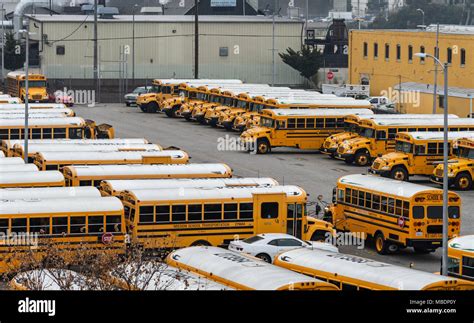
{"type": "Point", "coordinates": [226, 124]}
{"type": "Point", "coordinates": [343, 156]}
{"type": "Point", "coordinates": [424, 243]}
{"type": "Point", "coordinates": [439, 180]}
{"type": "Point", "coordinates": [328, 151]}
{"type": "Point", "coordinates": [383, 173]}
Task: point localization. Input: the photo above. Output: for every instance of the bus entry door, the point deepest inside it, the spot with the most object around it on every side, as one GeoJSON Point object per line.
{"type": "Point", "coordinates": [270, 213]}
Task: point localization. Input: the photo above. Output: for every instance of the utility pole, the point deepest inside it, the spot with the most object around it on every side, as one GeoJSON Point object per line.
{"type": "Point", "coordinates": [196, 39]}
{"type": "Point", "coordinates": [26, 98]}
{"type": "Point", "coordinates": [273, 43]}
{"type": "Point", "coordinates": [133, 46]}
{"type": "Point", "coordinates": [3, 48]}
{"type": "Point", "coordinates": [435, 89]}
{"type": "Point", "coordinates": [444, 261]}
{"type": "Point", "coordinates": [96, 52]}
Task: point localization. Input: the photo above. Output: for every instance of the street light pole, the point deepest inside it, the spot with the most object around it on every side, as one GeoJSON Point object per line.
{"type": "Point", "coordinates": [133, 47]}
{"type": "Point", "coordinates": [26, 97]}
{"type": "Point", "coordinates": [435, 90]}
{"type": "Point", "coordinates": [3, 46]}
{"type": "Point", "coordinates": [444, 259]}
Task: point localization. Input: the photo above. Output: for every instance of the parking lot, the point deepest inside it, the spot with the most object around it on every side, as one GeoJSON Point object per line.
{"type": "Point", "coordinates": [315, 172]}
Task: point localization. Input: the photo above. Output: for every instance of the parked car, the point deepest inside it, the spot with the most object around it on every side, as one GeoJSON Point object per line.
{"type": "Point", "coordinates": [131, 98]}
{"type": "Point", "coordinates": [267, 245]}
{"type": "Point", "coordinates": [379, 101]}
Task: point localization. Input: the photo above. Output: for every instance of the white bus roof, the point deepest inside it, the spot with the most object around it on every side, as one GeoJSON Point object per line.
{"type": "Point", "coordinates": [34, 116]}
{"type": "Point", "coordinates": [342, 102]}
{"type": "Point", "coordinates": [160, 276]}
{"type": "Point", "coordinates": [31, 106]}
{"type": "Point", "coordinates": [221, 193]}
{"type": "Point", "coordinates": [18, 168]}
{"type": "Point", "coordinates": [108, 155]}
{"type": "Point", "coordinates": [20, 122]}
{"type": "Point", "coordinates": [362, 269]}
{"type": "Point", "coordinates": [31, 177]}
{"type": "Point", "coordinates": [439, 135]}
{"type": "Point", "coordinates": [244, 270]}
{"type": "Point", "coordinates": [138, 169]}
{"type": "Point", "coordinates": [116, 141]}
{"type": "Point", "coordinates": [424, 122]}
{"type": "Point", "coordinates": [5, 112]}
{"type": "Point", "coordinates": [48, 193]}
{"type": "Point", "coordinates": [318, 112]}
{"type": "Point", "coordinates": [12, 101]}
{"type": "Point", "coordinates": [141, 184]}
{"type": "Point", "coordinates": [2, 154]}
{"type": "Point", "coordinates": [197, 81]}
{"type": "Point", "coordinates": [34, 148]}
{"type": "Point", "coordinates": [385, 185]}
{"type": "Point", "coordinates": [62, 205]}
{"type": "Point", "coordinates": [464, 243]}
{"type": "Point", "coordinates": [11, 161]}
{"type": "Point", "coordinates": [404, 116]}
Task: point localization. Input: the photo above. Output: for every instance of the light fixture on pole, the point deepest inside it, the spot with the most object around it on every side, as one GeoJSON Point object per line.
{"type": "Point", "coordinates": [444, 261]}
{"type": "Point", "coordinates": [423, 16]}
{"type": "Point", "coordinates": [3, 46]}
{"type": "Point", "coordinates": [133, 45]}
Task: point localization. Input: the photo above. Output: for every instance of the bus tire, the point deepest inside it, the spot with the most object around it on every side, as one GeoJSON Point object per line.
{"type": "Point", "coordinates": [362, 158]}
{"type": "Point", "coordinates": [203, 243]}
{"type": "Point", "coordinates": [399, 173]}
{"type": "Point", "coordinates": [463, 182]}
{"type": "Point", "coordinates": [263, 146]}
{"type": "Point", "coordinates": [381, 245]}
{"type": "Point", "coordinates": [151, 107]}
{"type": "Point", "coordinates": [265, 257]}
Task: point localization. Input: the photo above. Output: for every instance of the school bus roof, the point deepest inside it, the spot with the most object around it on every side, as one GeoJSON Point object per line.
{"type": "Point", "coordinates": [314, 112]}
{"type": "Point", "coordinates": [37, 122]}
{"type": "Point", "coordinates": [122, 185]}
{"type": "Point", "coordinates": [18, 168]}
{"type": "Point", "coordinates": [108, 155]}
{"type": "Point", "coordinates": [22, 74]}
{"type": "Point", "coordinates": [387, 185]}
{"type": "Point", "coordinates": [34, 148]}
{"type": "Point", "coordinates": [399, 116]}
{"type": "Point", "coordinates": [48, 193]}
{"type": "Point", "coordinates": [333, 102]}
{"type": "Point", "coordinates": [178, 169]}
{"type": "Point", "coordinates": [11, 161]}
{"type": "Point", "coordinates": [420, 122]}
{"type": "Point", "coordinates": [115, 141]}
{"type": "Point", "coordinates": [31, 106]}
{"type": "Point", "coordinates": [5, 112]}
{"type": "Point", "coordinates": [193, 193]}
{"type": "Point", "coordinates": [436, 135]}
{"type": "Point", "coordinates": [62, 205]}
{"type": "Point", "coordinates": [197, 81]}
{"type": "Point", "coordinates": [52, 176]}
{"type": "Point", "coordinates": [240, 270]}
{"type": "Point", "coordinates": [462, 243]}
{"type": "Point", "coordinates": [363, 269]}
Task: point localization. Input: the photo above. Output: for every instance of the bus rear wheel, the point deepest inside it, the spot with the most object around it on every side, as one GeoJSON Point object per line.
{"type": "Point", "coordinates": [263, 146]}
{"type": "Point", "coordinates": [399, 173]}
{"type": "Point", "coordinates": [463, 182]}
{"type": "Point", "coordinates": [362, 158]}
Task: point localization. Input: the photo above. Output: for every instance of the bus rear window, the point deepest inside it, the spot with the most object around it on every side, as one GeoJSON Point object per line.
{"type": "Point", "coordinates": [435, 212]}
{"type": "Point", "coordinates": [418, 212]}
{"type": "Point", "coordinates": [454, 212]}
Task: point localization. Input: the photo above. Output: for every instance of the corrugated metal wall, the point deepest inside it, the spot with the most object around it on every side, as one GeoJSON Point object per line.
{"type": "Point", "coordinates": [166, 49]}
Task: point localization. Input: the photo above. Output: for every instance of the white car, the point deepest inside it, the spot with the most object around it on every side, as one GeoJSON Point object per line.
{"type": "Point", "coordinates": [267, 245]}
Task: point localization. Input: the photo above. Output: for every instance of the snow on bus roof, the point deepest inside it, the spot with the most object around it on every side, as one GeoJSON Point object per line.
{"type": "Point", "coordinates": [61, 205]}
{"type": "Point", "coordinates": [364, 269]}
{"type": "Point", "coordinates": [385, 185]}
{"type": "Point", "coordinates": [49, 176]}
{"type": "Point", "coordinates": [20, 122]}
{"type": "Point", "coordinates": [193, 193]}
{"type": "Point", "coordinates": [317, 112]}
{"type": "Point", "coordinates": [465, 243]}
{"type": "Point", "coordinates": [48, 192]}
{"type": "Point", "coordinates": [139, 169]}
{"type": "Point", "coordinates": [423, 122]}
{"type": "Point", "coordinates": [108, 155]}
{"type": "Point", "coordinates": [438, 135]}
{"type": "Point", "coordinates": [121, 185]}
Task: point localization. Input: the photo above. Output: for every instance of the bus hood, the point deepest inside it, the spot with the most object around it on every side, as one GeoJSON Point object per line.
{"type": "Point", "coordinates": [355, 142]}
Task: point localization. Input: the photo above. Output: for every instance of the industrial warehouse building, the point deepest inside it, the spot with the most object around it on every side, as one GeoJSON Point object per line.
{"type": "Point", "coordinates": [238, 47]}
{"type": "Point", "coordinates": [386, 60]}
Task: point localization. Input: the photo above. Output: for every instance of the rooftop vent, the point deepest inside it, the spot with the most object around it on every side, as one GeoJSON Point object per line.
{"type": "Point", "coordinates": [88, 9]}
{"type": "Point", "coordinates": [107, 12]}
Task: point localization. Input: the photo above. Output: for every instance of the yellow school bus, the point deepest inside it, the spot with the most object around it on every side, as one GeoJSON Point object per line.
{"type": "Point", "coordinates": [201, 96]}
{"type": "Point", "coordinates": [31, 178]}
{"type": "Point", "coordinates": [352, 128]}
{"type": "Point", "coordinates": [50, 160]}
{"type": "Point", "coordinates": [37, 87]}
{"type": "Point", "coordinates": [460, 169]}
{"type": "Point", "coordinates": [395, 214]}
{"type": "Point", "coordinates": [416, 153]}
{"type": "Point", "coordinates": [461, 257]}
{"type": "Point", "coordinates": [36, 113]}
{"type": "Point", "coordinates": [214, 100]}
{"type": "Point", "coordinates": [299, 128]}
{"type": "Point", "coordinates": [241, 271]}
{"type": "Point", "coordinates": [349, 272]}
{"type": "Point", "coordinates": [377, 137]}
{"type": "Point", "coordinates": [92, 175]}
{"type": "Point", "coordinates": [72, 225]}
{"type": "Point", "coordinates": [182, 217]}
{"type": "Point", "coordinates": [172, 104]}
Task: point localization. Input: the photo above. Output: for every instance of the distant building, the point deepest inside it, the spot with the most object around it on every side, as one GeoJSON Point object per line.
{"type": "Point", "coordinates": [385, 59]}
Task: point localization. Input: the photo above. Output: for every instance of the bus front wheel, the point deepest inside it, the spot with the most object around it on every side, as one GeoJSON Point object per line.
{"type": "Point", "coordinates": [362, 158]}
{"type": "Point", "coordinates": [152, 107]}
{"type": "Point", "coordinates": [381, 245]}
{"type": "Point", "coordinates": [463, 181]}
{"type": "Point", "coordinates": [399, 173]}
{"type": "Point", "coordinates": [263, 146]}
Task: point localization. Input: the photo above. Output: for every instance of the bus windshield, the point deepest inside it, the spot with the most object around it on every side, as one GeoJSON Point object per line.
{"type": "Point", "coordinates": [241, 104]}
{"type": "Point", "coordinates": [228, 101]}
{"type": "Point", "coordinates": [201, 96]}
{"type": "Point", "coordinates": [351, 127]}
{"type": "Point", "coordinates": [467, 153]}
{"type": "Point", "coordinates": [405, 147]}
{"type": "Point", "coordinates": [367, 132]}
{"type": "Point", "coordinates": [267, 122]}
{"type": "Point", "coordinates": [34, 84]}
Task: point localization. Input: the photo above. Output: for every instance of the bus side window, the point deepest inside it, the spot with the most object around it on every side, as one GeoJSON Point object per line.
{"type": "Point", "coordinates": [178, 213]}
{"type": "Point", "coordinates": [195, 212]}
{"type": "Point", "coordinates": [60, 225]}
{"type": "Point", "coordinates": [381, 135]}
{"type": "Point", "coordinates": [3, 134]}
{"type": "Point", "coordinates": [59, 133]}
{"type": "Point", "coordinates": [384, 204]}
{"type": "Point", "coordinates": [319, 123]}
{"type": "Point", "coordinates": [269, 210]}
{"type": "Point", "coordinates": [246, 210]}
{"type": "Point", "coordinates": [355, 193]}
{"type": "Point", "coordinates": [348, 195]}
{"type": "Point", "coordinates": [468, 266]}
{"type": "Point", "coordinates": [39, 225]}
{"type": "Point", "coordinates": [376, 202]}
{"type": "Point", "coordinates": [368, 200]}
{"type": "Point", "coordinates": [420, 149]}
{"type": "Point", "coordinates": [331, 123]}
{"type": "Point", "coordinates": [291, 123]}
{"type": "Point", "coordinates": [78, 224]}
{"type": "Point", "coordinates": [392, 133]}
{"type": "Point", "coordinates": [340, 195]}
{"type": "Point", "coordinates": [95, 224]}
{"type": "Point", "coordinates": [3, 226]}
{"type": "Point", "coordinates": [162, 213]}
{"type": "Point", "coordinates": [310, 123]}
{"type": "Point", "coordinates": [230, 211]}
{"type": "Point", "coordinates": [300, 123]}
{"type": "Point", "coordinates": [453, 266]}
{"type": "Point", "coordinates": [18, 225]}
{"type": "Point", "coordinates": [432, 148]}
{"type": "Point", "coordinates": [113, 223]}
